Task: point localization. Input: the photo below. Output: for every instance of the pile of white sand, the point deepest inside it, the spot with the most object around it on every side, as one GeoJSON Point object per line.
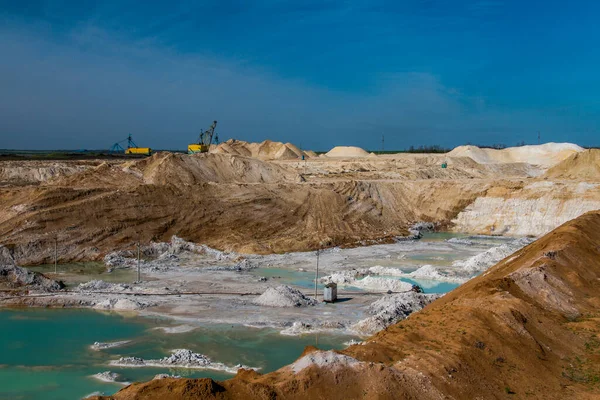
{"type": "Point", "coordinates": [347, 152]}
{"type": "Point", "coordinates": [390, 309]}
{"type": "Point", "coordinates": [329, 359]}
{"type": "Point", "coordinates": [482, 261]}
{"type": "Point", "coordinates": [545, 155]}
{"type": "Point", "coordinates": [284, 296]}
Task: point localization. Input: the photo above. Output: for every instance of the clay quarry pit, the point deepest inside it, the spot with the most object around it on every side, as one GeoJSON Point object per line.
{"type": "Point", "coordinates": [230, 236]}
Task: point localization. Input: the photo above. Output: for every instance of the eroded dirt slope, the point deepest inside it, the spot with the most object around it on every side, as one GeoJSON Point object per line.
{"type": "Point", "coordinates": [528, 328]}
{"type": "Point", "coordinates": [229, 202]}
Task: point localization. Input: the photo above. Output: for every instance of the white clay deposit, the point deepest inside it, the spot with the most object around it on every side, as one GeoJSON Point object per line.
{"type": "Point", "coordinates": [329, 359]}
{"type": "Point", "coordinates": [110, 377]}
{"type": "Point", "coordinates": [108, 345]}
{"type": "Point", "coordinates": [284, 296]}
{"type": "Point", "coordinates": [390, 309]}
{"type": "Point", "coordinates": [181, 358]}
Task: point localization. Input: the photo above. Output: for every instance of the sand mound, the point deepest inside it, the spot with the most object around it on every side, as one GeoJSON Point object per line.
{"type": "Point", "coordinates": [347, 152]}
{"type": "Point", "coordinates": [267, 150]}
{"type": "Point", "coordinates": [183, 169]}
{"type": "Point", "coordinates": [545, 155]}
{"type": "Point", "coordinates": [284, 296]}
{"type": "Point", "coordinates": [390, 309]}
{"type": "Point", "coordinates": [582, 166]}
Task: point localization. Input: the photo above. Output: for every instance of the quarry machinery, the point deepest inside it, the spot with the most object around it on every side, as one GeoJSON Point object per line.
{"type": "Point", "coordinates": [204, 140]}
{"type": "Point", "coordinates": [132, 148]}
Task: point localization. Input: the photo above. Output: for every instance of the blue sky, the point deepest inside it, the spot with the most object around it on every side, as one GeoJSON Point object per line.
{"type": "Point", "coordinates": [84, 74]}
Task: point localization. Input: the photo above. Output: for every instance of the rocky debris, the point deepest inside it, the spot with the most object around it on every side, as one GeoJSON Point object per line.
{"type": "Point", "coordinates": [117, 259]}
{"type": "Point", "coordinates": [353, 342]}
{"type": "Point", "coordinates": [16, 277]}
{"type": "Point", "coordinates": [102, 286]}
{"type": "Point", "coordinates": [284, 296]}
{"type": "Point", "coordinates": [108, 345]}
{"type": "Point", "coordinates": [6, 256]}
{"type": "Point", "coordinates": [243, 265]}
{"type": "Point", "coordinates": [108, 376]}
{"type": "Point", "coordinates": [483, 261]}
{"type": "Point", "coordinates": [297, 328]}
{"type": "Point", "coordinates": [180, 358]}
{"type": "Point", "coordinates": [328, 359]}
{"type": "Point", "coordinates": [163, 256]}
{"type": "Point", "coordinates": [345, 278]}
{"type": "Point", "coordinates": [166, 376]}
{"type": "Point", "coordinates": [123, 304]}
{"type": "Point", "coordinates": [392, 308]}
{"type": "Point", "coordinates": [130, 362]}
{"type": "Point", "coordinates": [418, 228]}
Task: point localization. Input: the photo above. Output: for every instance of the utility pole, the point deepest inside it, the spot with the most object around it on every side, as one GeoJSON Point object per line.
{"type": "Point", "coordinates": [317, 275]}
{"type": "Point", "coordinates": [138, 263]}
{"type": "Point", "coordinates": [539, 138]}
{"type": "Point", "coordinates": [382, 143]}
{"type": "Point", "coordinates": [55, 254]}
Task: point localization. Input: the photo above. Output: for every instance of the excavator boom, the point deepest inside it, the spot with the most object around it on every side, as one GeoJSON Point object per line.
{"type": "Point", "coordinates": [204, 141]}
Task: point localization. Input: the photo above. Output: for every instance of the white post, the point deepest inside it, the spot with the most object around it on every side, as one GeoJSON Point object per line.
{"type": "Point", "coordinates": [317, 275]}
{"type": "Point", "coordinates": [138, 263]}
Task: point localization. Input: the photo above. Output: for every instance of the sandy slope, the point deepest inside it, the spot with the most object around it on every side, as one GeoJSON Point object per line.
{"type": "Point", "coordinates": [583, 166]}
{"type": "Point", "coordinates": [249, 205]}
{"type": "Point", "coordinates": [528, 328]}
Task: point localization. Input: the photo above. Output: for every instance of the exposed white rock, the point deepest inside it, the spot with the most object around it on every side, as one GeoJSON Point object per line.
{"type": "Point", "coordinates": [483, 261]}
{"type": "Point", "coordinates": [382, 284]}
{"type": "Point", "coordinates": [390, 309]}
{"type": "Point", "coordinates": [22, 277]}
{"type": "Point", "coordinates": [108, 345]}
{"type": "Point", "coordinates": [122, 304]}
{"type": "Point", "coordinates": [324, 359]}
{"type": "Point", "coordinates": [108, 376]}
{"type": "Point", "coordinates": [166, 376]}
{"type": "Point", "coordinates": [180, 358]}
{"type": "Point", "coordinates": [523, 216]}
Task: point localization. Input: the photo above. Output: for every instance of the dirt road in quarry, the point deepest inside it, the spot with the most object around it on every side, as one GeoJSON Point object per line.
{"type": "Point", "coordinates": [259, 205]}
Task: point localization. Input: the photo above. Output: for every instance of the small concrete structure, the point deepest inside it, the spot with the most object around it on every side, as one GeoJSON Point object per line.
{"type": "Point", "coordinates": [330, 293]}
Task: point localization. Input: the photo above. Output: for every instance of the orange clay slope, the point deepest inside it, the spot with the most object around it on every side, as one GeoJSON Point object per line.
{"type": "Point", "coordinates": [528, 328]}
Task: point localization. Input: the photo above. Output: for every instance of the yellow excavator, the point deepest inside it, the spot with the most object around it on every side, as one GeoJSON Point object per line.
{"type": "Point", "coordinates": [204, 140]}
{"type": "Point", "coordinates": [132, 148]}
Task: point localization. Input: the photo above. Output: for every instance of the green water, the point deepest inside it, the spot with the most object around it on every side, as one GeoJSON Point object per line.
{"type": "Point", "coordinates": [45, 354]}
{"type": "Point", "coordinates": [75, 273]}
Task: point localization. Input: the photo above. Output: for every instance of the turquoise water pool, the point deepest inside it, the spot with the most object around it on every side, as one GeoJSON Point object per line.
{"type": "Point", "coordinates": [45, 353]}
